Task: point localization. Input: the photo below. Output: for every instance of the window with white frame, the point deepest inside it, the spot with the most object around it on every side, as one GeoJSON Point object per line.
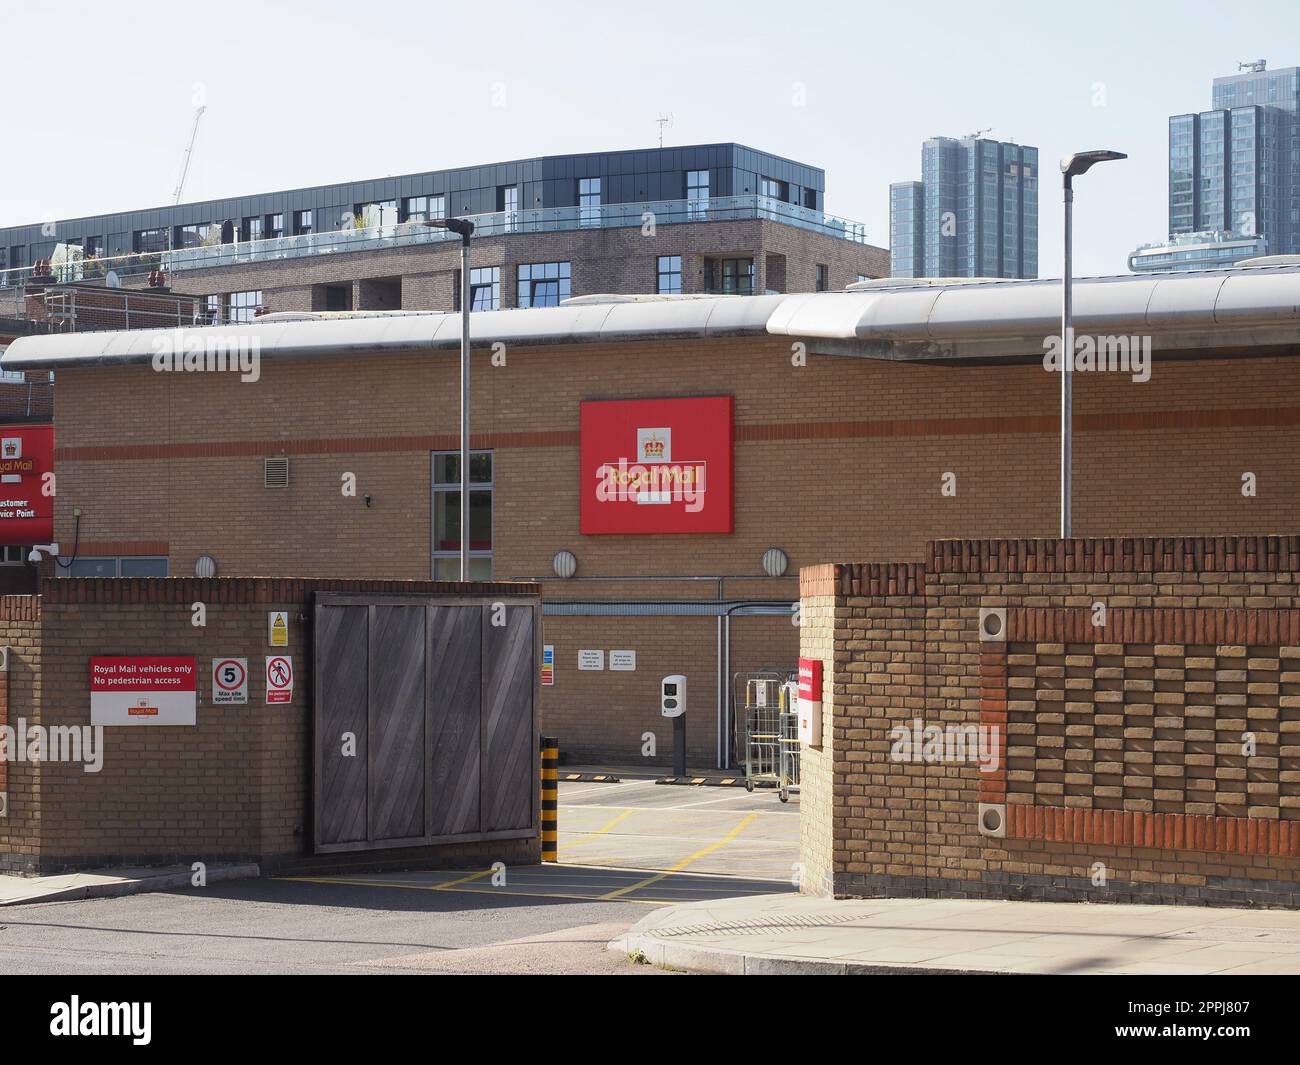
{"type": "Point", "coordinates": [446, 515]}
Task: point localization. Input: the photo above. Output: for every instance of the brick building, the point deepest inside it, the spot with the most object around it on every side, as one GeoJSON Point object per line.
{"type": "Point", "coordinates": [858, 424]}
{"type": "Point", "coordinates": [691, 219]}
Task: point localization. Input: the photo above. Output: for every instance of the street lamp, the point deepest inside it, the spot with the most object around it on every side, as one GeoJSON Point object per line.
{"type": "Point", "coordinates": [1072, 165]}
{"type": "Point", "coordinates": [464, 229]}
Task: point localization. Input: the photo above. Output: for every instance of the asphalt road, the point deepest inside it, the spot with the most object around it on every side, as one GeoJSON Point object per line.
{"type": "Point", "coordinates": [624, 851]}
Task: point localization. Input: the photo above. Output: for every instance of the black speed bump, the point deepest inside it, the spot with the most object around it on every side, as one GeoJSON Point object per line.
{"type": "Point", "coordinates": [591, 778]}
{"type": "Point", "coordinates": [704, 782]}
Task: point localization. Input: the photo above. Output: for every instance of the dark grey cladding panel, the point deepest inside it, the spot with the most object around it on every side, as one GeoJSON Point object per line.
{"type": "Point", "coordinates": [397, 716]}
{"type": "Point", "coordinates": [507, 725]}
{"type": "Point", "coordinates": [455, 689]}
{"type": "Point", "coordinates": [341, 653]}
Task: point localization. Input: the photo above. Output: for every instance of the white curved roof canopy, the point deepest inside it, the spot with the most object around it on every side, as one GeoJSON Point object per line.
{"type": "Point", "coordinates": [1202, 310]}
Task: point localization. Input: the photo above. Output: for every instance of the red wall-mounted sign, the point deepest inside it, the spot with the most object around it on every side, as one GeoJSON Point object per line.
{"type": "Point", "coordinates": [656, 465]}
{"type": "Point", "coordinates": [26, 492]}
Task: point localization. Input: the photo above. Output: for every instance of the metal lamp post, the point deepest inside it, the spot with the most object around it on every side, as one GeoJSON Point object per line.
{"type": "Point", "coordinates": [464, 229]}
{"type": "Point", "coordinates": [1072, 165]}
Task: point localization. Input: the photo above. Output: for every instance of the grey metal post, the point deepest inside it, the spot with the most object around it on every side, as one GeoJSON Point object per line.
{"type": "Point", "coordinates": [1067, 367]}
{"type": "Point", "coordinates": [464, 405]}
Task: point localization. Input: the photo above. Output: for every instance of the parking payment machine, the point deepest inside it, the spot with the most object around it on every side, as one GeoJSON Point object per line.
{"type": "Point", "coordinates": [672, 703]}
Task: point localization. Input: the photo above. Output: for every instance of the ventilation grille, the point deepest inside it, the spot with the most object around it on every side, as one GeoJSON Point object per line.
{"type": "Point", "coordinates": [275, 472]}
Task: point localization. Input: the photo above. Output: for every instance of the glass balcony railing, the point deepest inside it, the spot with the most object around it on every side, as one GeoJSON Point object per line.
{"type": "Point", "coordinates": [410, 234]}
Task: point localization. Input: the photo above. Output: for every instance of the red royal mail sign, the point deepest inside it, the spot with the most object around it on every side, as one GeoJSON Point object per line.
{"type": "Point", "coordinates": [26, 484]}
{"type": "Point", "coordinates": [656, 465]}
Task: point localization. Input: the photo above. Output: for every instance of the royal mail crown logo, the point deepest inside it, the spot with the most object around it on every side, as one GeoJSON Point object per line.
{"type": "Point", "coordinates": [12, 448]}
{"type": "Point", "coordinates": [654, 445]}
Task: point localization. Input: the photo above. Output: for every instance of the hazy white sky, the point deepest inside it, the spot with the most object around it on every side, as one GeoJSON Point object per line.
{"type": "Point", "coordinates": [100, 95]}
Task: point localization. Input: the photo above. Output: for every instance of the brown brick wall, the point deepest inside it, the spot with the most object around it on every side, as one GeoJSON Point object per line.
{"type": "Point", "coordinates": [604, 260]}
{"type": "Point", "coordinates": [1122, 750]}
{"type": "Point", "coordinates": [841, 458]}
{"type": "Point", "coordinates": [234, 786]}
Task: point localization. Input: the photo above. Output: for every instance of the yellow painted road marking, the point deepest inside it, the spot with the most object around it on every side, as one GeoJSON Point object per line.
{"type": "Point", "coordinates": [600, 831]}
{"type": "Point", "coordinates": [486, 890]}
{"type": "Point", "coordinates": [688, 860]}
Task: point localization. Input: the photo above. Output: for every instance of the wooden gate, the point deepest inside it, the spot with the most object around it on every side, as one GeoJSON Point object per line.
{"type": "Point", "coordinates": [425, 723]}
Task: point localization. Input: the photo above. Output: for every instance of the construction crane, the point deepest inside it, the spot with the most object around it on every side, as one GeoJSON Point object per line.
{"type": "Point", "coordinates": [189, 154]}
{"type": "Point", "coordinates": [977, 134]}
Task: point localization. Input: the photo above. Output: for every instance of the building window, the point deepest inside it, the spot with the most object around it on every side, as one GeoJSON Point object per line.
{"type": "Point", "coordinates": [245, 305]}
{"type": "Point", "coordinates": [121, 566]}
{"type": "Point", "coordinates": [508, 204]}
{"type": "Point", "coordinates": [252, 229]}
{"type": "Point", "coordinates": [589, 201]}
{"type": "Point", "coordinates": [543, 284]}
{"type": "Point", "coordinates": [697, 193]}
{"type": "Point", "coordinates": [485, 288]}
{"type": "Point", "coordinates": [302, 223]}
{"type": "Point", "coordinates": [670, 275]}
{"type": "Point", "coordinates": [275, 226]}
{"type": "Point", "coordinates": [773, 189]}
{"type": "Point", "coordinates": [14, 556]}
{"type": "Point", "coordinates": [94, 247]}
{"type": "Point", "coordinates": [730, 276]}
{"type": "Point", "coordinates": [823, 277]}
{"type": "Point", "coordinates": [212, 309]}
{"type": "Point", "coordinates": [376, 214]}
{"type": "Point", "coordinates": [194, 236]}
{"type": "Point", "coordinates": [425, 208]}
{"type": "Point", "coordinates": [446, 515]}
{"type": "Point", "coordinates": [150, 240]}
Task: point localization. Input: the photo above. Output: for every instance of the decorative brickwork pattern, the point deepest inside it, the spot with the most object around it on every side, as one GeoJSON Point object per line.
{"type": "Point", "coordinates": [1155, 759]}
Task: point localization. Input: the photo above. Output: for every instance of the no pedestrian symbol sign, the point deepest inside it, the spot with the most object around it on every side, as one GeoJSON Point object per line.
{"type": "Point", "coordinates": [229, 681]}
{"type": "Point", "coordinates": [279, 679]}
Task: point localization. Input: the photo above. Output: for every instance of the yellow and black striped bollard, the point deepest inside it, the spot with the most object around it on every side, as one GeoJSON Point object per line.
{"type": "Point", "coordinates": [550, 798]}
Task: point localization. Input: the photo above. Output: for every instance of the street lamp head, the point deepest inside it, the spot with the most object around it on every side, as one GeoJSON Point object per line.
{"type": "Point", "coordinates": [462, 227]}
{"type": "Point", "coordinates": [1082, 162]}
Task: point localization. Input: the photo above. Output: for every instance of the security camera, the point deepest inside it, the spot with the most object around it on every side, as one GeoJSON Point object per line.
{"type": "Point", "coordinates": [39, 550]}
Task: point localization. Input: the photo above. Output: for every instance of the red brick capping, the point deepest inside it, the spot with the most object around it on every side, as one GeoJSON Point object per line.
{"type": "Point", "coordinates": [1131, 828]}
{"type": "Point", "coordinates": [20, 608]}
{"type": "Point", "coordinates": [186, 590]}
{"type": "Point", "coordinates": [1150, 554]}
{"type": "Point", "coordinates": [993, 715]}
{"type": "Point", "coordinates": [863, 578]}
{"type": "Point", "coordinates": [1171, 625]}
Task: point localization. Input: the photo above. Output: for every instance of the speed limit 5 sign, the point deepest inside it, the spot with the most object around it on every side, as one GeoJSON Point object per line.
{"type": "Point", "coordinates": [229, 680]}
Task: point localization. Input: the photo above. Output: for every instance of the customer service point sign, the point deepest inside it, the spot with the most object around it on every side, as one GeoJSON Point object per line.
{"type": "Point", "coordinates": [143, 690]}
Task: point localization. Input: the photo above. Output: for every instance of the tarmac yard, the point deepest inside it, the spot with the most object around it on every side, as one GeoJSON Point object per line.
{"type": "Point", "coordinates": [638, 824]}
{"type": "Point", "coordinates": [625, 850]}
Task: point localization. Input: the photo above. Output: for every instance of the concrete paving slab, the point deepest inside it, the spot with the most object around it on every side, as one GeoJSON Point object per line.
{"type": "Point", "coordinates": [100, 883]}
{"type": "Point", "coordinates": [799, 933]}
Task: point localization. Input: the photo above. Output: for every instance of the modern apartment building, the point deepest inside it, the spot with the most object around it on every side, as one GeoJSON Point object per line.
{"type": "Point", "coordinates": [1234, 174]}
{"type": "Point", "coordinates": [974, 213]}
{"type": "Point", "coordinates": [719, 218]}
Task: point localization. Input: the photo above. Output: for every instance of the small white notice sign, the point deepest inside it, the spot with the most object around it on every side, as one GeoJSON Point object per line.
{"type": "Point", "coordinates": [624, 661]}
{"type": "Point", "coordinates": [591, 660]}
